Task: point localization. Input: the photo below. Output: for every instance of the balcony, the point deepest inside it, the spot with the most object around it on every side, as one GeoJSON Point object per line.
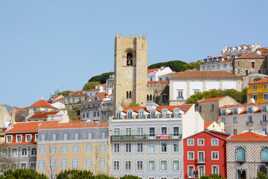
{"type": "Point", "coordinates": [129, 138]}
{"type": "Point", "coordinates": [200, 162]}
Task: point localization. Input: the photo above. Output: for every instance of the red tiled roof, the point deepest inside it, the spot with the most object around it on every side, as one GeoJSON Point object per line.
{"type": "Point", "coordinates": [213, 99]}
{"type": "Point", "coordinates": [250, 56]}
{"type": "Point", "coordinates": [263, 80]}
{"type": "Point", "coordinates": [42, 104]}
{"type": "Point", "coordinates": [183, 107]}
{"type": "Point", "coordinates": [134, 108]}
{"type": "Point", "coordinates": [158, 82]}
{"type": "Point", "coordinates": [248, 137]}
{"type": "Point", "coordinates": [27, 127]}
{"type": "Point", "coordinates": [101, 95]}
{"type": "Point", "coordinates": [217, 134]}
{"type": "Point", "coordinates": [203, 75]}
{"type": "Point", "coordinates": [77, 93]}
{"type": "Point", "coordinates": [75, 124]}
{"type": "Point", "coordinates": [42, 115]}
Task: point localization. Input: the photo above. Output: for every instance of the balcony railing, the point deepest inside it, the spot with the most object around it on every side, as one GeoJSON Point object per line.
{"type": "Point", "coordinates": [122, 138]}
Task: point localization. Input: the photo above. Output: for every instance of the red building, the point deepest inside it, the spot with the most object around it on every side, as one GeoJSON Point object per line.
{"type": "Point", "coordinates": [204, 154]}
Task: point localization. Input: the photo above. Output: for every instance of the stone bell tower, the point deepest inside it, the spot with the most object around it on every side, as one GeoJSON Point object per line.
{"type": "Point", "coordinates": [130, 69]}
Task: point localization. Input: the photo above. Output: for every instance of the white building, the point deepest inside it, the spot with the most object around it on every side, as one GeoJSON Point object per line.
{"type": "Point", "coordinates": [216, 64]}
{"type": "Point", "coordinates": [182, 85]}
{"type": "Point", "coordinates": [147, 141]}
{"type": "Point", "coordinates": [158, 74]}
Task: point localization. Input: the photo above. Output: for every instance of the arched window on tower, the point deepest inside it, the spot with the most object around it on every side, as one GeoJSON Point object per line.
{"type": "Point", "coordinates": [129, 59]}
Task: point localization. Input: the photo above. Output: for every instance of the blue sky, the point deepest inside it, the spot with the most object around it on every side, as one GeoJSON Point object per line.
{"type": "Point", "coordinates": [49, 45]}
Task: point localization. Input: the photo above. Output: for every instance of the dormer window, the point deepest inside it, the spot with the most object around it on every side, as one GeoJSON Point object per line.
{"type": "Point", "coordinates": [18, 138]}
{"type": "Point", "coordinates": [28, 137]}
{"type": "Point", "coordinates": [164, 113]}
{"type": "Point", "coordinates": [152, 114]}
{"type": "Point", "coordinates": [141, 114]}
{"type": "Point", "coordinates": [176, 113]}
{"type": "Point", "coordinates": [129, 114]}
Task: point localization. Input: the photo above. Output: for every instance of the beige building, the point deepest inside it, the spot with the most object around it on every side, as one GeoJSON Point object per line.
{"type": "Point", "coordinates": [74, 145]}
{"type": "Point", "coordinates": [130, 71]}
{"type": "Point", "coordinates": [209, 108]}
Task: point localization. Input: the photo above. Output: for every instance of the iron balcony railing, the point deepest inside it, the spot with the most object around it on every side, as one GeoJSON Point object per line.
{"type": "Point", "coordinates": [121, 138]}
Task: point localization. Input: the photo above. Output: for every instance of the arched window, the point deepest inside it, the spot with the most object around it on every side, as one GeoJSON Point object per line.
{"type": "Point", "coordinates": [176, 113]}
{"type": "Point", "coordinates": [240, 154]}
{"type": "Point", "coordinates": [264, 154]}
{"type": "Point", "coordinates": [129, 59]}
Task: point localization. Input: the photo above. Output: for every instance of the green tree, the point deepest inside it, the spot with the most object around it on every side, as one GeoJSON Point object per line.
{"type": "Point", "coordinates": [23, 174]}
{"type": "Point", "coordinates": [130, 177]}
{"type": "Point", "coordinates": [103, 177]}
{"type": "Point", "coordinates": [90, 85]}
{"type": "Point", "coordinates": [75, 174]}
{"type": "Point", "coordinates": [240, 97]}
{"type": "Point", "coordinates": [262, 175]}
{"type": "Point", "coordinates": [101, 78]}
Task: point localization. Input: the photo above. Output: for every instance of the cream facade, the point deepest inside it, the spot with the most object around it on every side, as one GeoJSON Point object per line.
{"type": "Point", "coordinates": [83, 148]}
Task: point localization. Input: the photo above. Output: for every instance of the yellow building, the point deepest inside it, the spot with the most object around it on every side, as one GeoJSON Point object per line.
{"type": "Point", "coordinates": [74, 145]}
{"type": "Point", "coordinates": [258, 90]}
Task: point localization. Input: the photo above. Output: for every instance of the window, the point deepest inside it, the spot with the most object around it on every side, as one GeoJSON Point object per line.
{"type": "Point", "coordinates": [88, 163]}
{"type": "Point", "coordinates": [265, 96]}
{"type": "Point", "coordinates": [176, 147]}
{"type": "Point", "coordinates": [176, 131]}
{"type": "Point", "coordinates": [200, 142]}
{"type": "Point", "coordinates": [9, 138]}
{"type": "Point", "coordinates": [151, 165]}
{"type": "Point", "coordinates": [163, 147]}
{"type": "Point", "coordinates": [252, 64]}
{"type": "Point", "coordinates": [129, 114]}
{"type": "Point", "coordinates": [215, 142]}
{"type": "Point", "coordinates": [264, 154]}
{"type": "Point", "coordinates": [201, 171]}
{"type": "Point", "coordinates": [163, 130]}
{"type": "Point", "coordinates": [140, 147]}
{"type": "Point", "coordinates": [14, 152]}
{"type": "Point", "coordinates": [63, 164]}
{"type": "Point", "coordinates": [129, 94]}
{"type": "Point", "coordinates": [212, 107]}
{"type": "Point", "coordinates": [151, 148]}
{"type": "Point", "coordinates": [201, 156]}
{"type": "Point", "coordinates": [180, 94]}
{"type": "Point", "coordinates": [52, 149]}
{"type": "Point", "coordinates": [116, 147]}
{"type": "Point", "coordinates": [116, 165]}
{"type": "Point", "coordinates": [151, 131]}
{"type": "Point", "coordinates": [234, 120]}
{"type": "Point", "coordinates": [190, 171]}
{"type": "Point", "coordinates": [128, 131]}
{"type": "Point", "coordinates": [18, 138]}
{"type": "Point", "coordinates": [140, 165]}
{"type": "Point", "coordinates": [139, 131]}
{"type": "Point", "coordinates": [41, 165]}
{"type": "Point", "coordinates": [215, 170]}
{"type": "Point", "coordinates": [128, 147]}
{"type": "Point", "coordinates": [116, 131]}
{"type": "Point", "coordinates": [190, 142]}
{"type": "Point", "coordinates": [88, 148]}
{"type": "Point", "coordinates": [240, 154]}
{"type": "Point", "coordinates": [129, 59]}
{"type": "Point", "coordinates": [75, 164]}
{"type": "Point", "coordinates": [28, 137]}
{"type": "Point", "coordinates": [190, 155]}
{"type": "Point", "coordinates": [215, 155]}
{"type": "Point", "coordinates": [24, 152]}
{"type": "Point", "coordinates": [163, 165]}
{"type": "Point", "coordinates": [64, 148]}
{"type": "Point", "coordinates": [128, 165]}
{"type": "Point", "coordinates": [175, 165]}
{"type": "Point", "coordinates": [33, 152]}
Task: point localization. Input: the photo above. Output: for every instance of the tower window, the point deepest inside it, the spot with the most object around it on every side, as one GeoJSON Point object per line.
{"type": "Point", "coordinates": [129, 59]}
{"type": "Point", "coordinates": [129, 94]}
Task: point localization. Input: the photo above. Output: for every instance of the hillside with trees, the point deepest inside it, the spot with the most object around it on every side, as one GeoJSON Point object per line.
{"type": "Point", "coordinates": [175, 65]}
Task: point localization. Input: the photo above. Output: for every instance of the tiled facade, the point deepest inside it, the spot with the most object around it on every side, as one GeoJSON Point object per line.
{"type": "Point", "coordinates": [246, 158]}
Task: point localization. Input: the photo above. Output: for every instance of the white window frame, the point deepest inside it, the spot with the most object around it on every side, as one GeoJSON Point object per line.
{"type": "Point", "coordinates": [17, 135]}
{"type": "Point", "coordinates": [188, 166]}
{"type": "Point", "coordinates": [166, 167]}
{"type": "Point", "coordinates": [218, 142]}
{"type": "Point", "coordinates": [173, 166]}
{"type": "Point", "coordinates": [24, 155]}
{"type": "Point", "coordinates": [116, 165]}
{"type": "Point", "coordinates": [190, 143]}
{"type": "Point", "coordinates": [218, 153]}
{"type": "Point", "coordinates": [217, 166]}
{"type": "Point", "coordinates": [198, 169]}
{"type": "Point", "coordinates": [188, 155]}
{"type": "Point", "coordinates": [204, 155]}
{"type": "Point", "coordinates": [198, 142]}
{"type": "Point", "coordinates": [11, 138]}
{"type": "Point", "coordinates": [26, 136]}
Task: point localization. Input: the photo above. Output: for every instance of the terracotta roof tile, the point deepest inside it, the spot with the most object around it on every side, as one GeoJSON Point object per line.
{"type": "Point", "coordinates": [183, 107]}
{"type": "Point", "coordinates": [263, 80]}
{"type": "Point", "coordinates": [75, 124]}
{"type": "Point", "coordinates": [207, 123]}
{"type": "Point", "coordinates": [203, 75]}
{"type": "Point", "coordinates": [42, 115]}
{"type": "Point", "coordinates": [208, 100]}
{"type": "Point", "coordinates": [248, 137]}
{"type": "Point", "coordinates": [42, 104]}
